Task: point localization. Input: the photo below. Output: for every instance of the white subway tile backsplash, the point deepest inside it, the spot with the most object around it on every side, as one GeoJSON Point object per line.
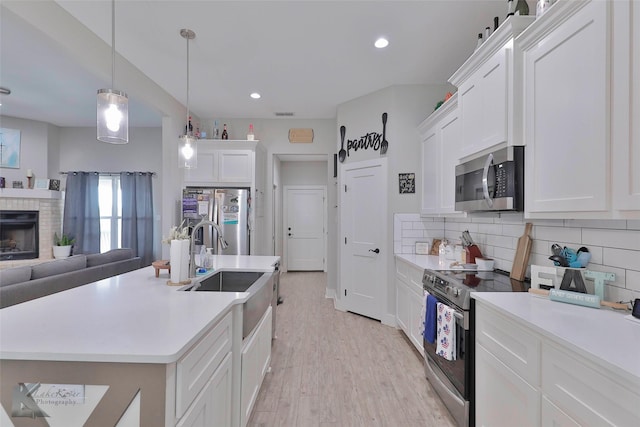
{"type": "Point", "coordinates": [614, 245]}
{"type": "Point", "coordinates": [622, 258]}
{"type": "Point", "coordinates": [412, 233]}
{"type": "Point", "coordinates": [633, 281]}
{"type": "Point", "coordinates": [623, 239]}
{"type": "Point", "coordinates": [633, 224]}
{"type": "Point", "coordinates": [558, 234]}
{"type": "Point", "coordinates": [593, 223]}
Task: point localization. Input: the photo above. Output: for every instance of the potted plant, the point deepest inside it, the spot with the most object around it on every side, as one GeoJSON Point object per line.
{"type": "Point", "coordinates": [62, 245]}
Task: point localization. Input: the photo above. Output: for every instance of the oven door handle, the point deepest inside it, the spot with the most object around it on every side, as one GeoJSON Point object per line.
{"type": "Point", "coordinates": [485, 180]}
{"type": "Point", "coordinates": [458, 315]}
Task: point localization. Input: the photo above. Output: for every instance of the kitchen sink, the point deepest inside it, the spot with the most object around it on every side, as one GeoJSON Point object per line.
{"type": "Point", "coordinates": [259, 285]}
{"type": "Point", "coordinates": [227, 281]}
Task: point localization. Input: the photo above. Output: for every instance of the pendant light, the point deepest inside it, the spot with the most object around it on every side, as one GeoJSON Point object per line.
{"type": "Point", "coordinates": [188, 148]}
{"type": "Point", "coordinates": [113, 105]}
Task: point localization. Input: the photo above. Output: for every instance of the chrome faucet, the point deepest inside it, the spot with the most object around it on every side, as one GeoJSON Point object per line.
{"type": "Point", "coordinates": [192, 258]}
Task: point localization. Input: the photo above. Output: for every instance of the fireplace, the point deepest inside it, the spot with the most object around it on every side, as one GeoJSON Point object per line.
{"type": "Point", "coordinates": [19, 235]}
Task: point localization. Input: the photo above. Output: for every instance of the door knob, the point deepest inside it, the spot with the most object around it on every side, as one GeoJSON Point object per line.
{"type": "Point", "coordinates": [376, 250]}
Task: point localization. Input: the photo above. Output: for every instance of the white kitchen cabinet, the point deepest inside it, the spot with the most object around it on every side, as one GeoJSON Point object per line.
{"type": "Point", "coordinates": [199, 384]}
{"type": "Point", "coordinates": [489, 91]}
{"type": "Point", "coordinates": [221, 163]}
{"type": "Point", "coordinates": [554, 416]}
{"type": "Point", "coordinates": [403, 306]}
{"type": "Point", "coordinates": [537, 378]}
{"type": "Point", "coordinates": [429, 191]}
{"type": "Point", "coordinates": [212, 406]}
{"type": "Point", "coordinates": [567, 110]}
{"type": "Point", "coordinates": [409, 300]}
{"type": "Point", "coordinates": [256, 357]}
{"type": "Point", "coordinates": [502, 396]}
{"type": "Point", "coordinates": [626, 108]}
{"type": "Point", "coordinates": [584, 391]}
{"type": "Point", "coordinates": [441, 152]}
{"type": "Point", "coordinates": [235, 166]}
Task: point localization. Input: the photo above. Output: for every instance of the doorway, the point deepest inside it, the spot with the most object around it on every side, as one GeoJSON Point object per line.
{"type": "Point", "coordinates": [363, 220]}
{"type": "Point", "coordinates": [305, 225]}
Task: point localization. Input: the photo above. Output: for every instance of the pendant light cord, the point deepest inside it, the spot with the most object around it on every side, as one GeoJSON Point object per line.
{"type": "Point", "coordinates": [113, 43]}
{"type": "Point", "coordinates": [187, 85]}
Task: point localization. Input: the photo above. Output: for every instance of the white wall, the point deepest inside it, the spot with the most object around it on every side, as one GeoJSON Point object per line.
{"type": "Point", "coordinates": [304, 173]}
{"type": "Point", "coordinates": [34, 140]}
{"type": "Point", "coordinates": [406, 107]}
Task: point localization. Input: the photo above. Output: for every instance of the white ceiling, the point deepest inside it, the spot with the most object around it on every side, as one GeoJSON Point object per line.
{"type": "Point", "coordinates": [304, 57]}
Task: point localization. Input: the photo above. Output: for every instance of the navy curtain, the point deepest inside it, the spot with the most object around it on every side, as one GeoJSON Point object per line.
{"type": "Point", "coordinates": [81, 219]}
{"type": "Point", "coordinates": [137, 214]}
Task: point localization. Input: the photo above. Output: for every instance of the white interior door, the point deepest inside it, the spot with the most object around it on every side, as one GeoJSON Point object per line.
{"type": "Point", "coordinates": [304, 227]}
{"type": "Point", "coordinates": [364, 232]}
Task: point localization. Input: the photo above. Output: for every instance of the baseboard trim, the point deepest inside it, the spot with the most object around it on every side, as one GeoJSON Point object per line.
{"type": "Point", "coordinates": [330, 293]}
{"type": "Point", "coordinates": [389, 320]}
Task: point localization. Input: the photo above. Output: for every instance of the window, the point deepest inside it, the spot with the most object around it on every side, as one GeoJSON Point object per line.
{"type": "Point", "coordinates": [110, 201]}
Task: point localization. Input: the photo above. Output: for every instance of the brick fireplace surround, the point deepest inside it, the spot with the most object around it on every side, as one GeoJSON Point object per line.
{"type": "Point", "coordinates": [49, 204]}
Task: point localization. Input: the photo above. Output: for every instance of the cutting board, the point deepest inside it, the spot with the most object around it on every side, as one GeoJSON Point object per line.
{"type": "Point", "coordinates": [523, 250]}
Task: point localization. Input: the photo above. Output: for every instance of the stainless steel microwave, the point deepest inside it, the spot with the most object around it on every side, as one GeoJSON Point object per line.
{"type": "Point", "coordinates": [493, 182]}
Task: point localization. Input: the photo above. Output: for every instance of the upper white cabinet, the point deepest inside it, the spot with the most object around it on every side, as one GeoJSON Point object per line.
{"type": "Point", "coordinates": [626, 106]}
{"type": "Point", "coordinates": [567, 110]}
{"type": "Point", "coordinates": [489, 91]}
{"type": "Point", "coordinates": [441, 151]}
{"type": "Point", "coordinates": [228, 162]}
{"type": "Point", "coordinates": [580, 124]}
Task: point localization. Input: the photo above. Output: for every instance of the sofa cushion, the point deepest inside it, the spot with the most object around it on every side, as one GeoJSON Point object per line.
{"type": "Point", "coordinates": [109, 256]}
{"type": "Point", "coordinates": [15, 275]}
{"type": "Point", "coordinates": [59, 266]}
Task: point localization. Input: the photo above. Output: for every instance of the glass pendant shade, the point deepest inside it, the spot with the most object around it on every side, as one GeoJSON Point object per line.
{"type": "Point", "coordinates": [113, 116]}
{"type": "Point", "coordinates": [188, 152]}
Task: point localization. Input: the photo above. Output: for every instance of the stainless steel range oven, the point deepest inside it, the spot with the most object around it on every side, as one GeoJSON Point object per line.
{"type": "Point", "coordinates": [454, 380]}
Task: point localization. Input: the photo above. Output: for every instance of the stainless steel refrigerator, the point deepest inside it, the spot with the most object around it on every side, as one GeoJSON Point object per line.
{"type": "Point", "coordinates": [227, 207]}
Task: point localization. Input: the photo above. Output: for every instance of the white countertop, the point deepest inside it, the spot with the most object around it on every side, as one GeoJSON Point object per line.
{"type": "Point", "coordinates": [426, 261]}
{"type": "Point", "coordinates": [131, 318]}
{"type": "Point", "coordinates": [603, 335]}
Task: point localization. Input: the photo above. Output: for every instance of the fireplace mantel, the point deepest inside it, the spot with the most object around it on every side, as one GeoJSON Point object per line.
{"type": "Point", "coordinates": [25, 193]}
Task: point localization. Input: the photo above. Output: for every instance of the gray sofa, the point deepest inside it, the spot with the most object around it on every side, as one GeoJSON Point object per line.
{"type": "Point", "coordinates": [20, 284]}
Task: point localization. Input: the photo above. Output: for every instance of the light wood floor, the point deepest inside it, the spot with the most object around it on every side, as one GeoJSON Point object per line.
{"type": "Point", "coordinates": [331, 368]}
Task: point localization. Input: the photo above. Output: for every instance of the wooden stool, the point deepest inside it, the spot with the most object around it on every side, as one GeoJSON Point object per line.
{"type": "Point", "coordinates": [162, 264]}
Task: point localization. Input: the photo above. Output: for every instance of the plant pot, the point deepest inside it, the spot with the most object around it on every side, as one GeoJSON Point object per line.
{"type": "Point", "coordinates": [61, 251]}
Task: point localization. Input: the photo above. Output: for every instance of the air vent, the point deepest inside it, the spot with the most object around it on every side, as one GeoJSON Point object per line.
{"type": "Point", "coordinates": [284, 114]}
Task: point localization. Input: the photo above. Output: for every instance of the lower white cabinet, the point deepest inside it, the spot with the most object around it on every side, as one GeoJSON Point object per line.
{"type": "Point", "coordinates": [526, 376]}
{"type": "Point", "coordinates": [212, 406]}
{"type": "Point", "coordinates": [409, 298]}
{"type": "Point", "coordinates": [256, 357]}
{"type": "Point", "coordinates": [502, 396]}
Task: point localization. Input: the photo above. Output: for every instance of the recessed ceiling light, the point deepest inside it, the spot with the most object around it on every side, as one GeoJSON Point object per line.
{"type": "Point", "coordinates": [381, 43]}
{"type": "Point", "coordinates": [255, 95]}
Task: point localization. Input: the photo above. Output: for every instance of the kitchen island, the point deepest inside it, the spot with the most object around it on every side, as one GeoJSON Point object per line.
{"type": "Point", "coordinates": [128, 350]}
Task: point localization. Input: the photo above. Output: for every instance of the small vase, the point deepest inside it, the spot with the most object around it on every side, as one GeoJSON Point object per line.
{"type": "Point", "coordinates": [179, 260]}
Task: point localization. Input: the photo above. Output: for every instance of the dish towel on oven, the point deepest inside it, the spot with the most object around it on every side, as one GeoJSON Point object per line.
{"type": "Point", "coordinates": [446, 333]}
{"type": "Point", "coordinates": [429, 318]}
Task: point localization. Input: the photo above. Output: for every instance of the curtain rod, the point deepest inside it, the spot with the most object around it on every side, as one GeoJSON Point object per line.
{"type": "Point", "coordinates": [108, 173]}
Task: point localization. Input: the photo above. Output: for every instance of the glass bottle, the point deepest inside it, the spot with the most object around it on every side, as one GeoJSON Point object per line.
{"type": "Point", "coordinates": [479, 40]}
{"type": "Point", "coordinates": [216, 131]}
{"type": "Point", "coordinates": [250, 135]}
{"type": "Point", "coordinates": [225, 134]}
{"type": "Point", "coordinates": [522, 8]}
{"type": "Point", "coordinates": [510, 8]}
